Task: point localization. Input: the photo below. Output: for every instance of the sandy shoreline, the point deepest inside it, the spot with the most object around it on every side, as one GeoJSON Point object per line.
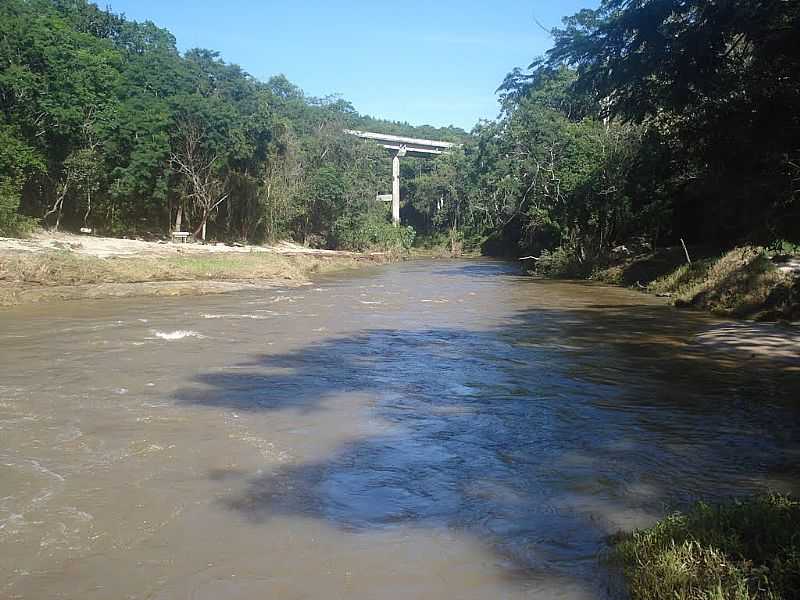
{"type": "Point", "coordinates": [105, 247]}
{"type": "Point", "coordinates": [61, 266]}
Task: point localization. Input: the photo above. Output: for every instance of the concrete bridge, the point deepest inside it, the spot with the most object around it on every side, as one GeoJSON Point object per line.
{"type": "Point", "coordinates": [401, 146]}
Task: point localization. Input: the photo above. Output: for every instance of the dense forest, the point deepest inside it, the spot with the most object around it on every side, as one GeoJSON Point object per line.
{"type": "Point", "coordinates": [647, 121]}
{"type": "Point", "coordinates": [105, 125]}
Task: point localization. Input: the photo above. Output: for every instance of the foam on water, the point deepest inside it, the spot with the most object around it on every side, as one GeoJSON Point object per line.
{"type": "Point", "coordinates": [231, 316]}
{"type": "Point", "coordinates": [176, 335]}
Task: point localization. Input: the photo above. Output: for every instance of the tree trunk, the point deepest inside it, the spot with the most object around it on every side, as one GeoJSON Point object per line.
{"type": "Point", "coordinates": [201, 229]}
{"type": "Point", "coordinates": [88, 207]}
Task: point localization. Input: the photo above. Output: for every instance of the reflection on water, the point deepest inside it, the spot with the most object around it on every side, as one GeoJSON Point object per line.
{"type": "Point", "coordinates": [429, 430]}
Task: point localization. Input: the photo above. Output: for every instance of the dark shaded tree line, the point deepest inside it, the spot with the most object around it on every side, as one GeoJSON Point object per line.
{"type": "Point", "coordinates": [648, 119]}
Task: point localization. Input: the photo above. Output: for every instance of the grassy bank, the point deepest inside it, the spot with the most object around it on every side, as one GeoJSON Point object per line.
{"type": "Point", "coordinates": [743, 550]}
{"type": "Point", "coordinates": [744, 282]}
{"type": "Point", "coordinates": [28, 276]}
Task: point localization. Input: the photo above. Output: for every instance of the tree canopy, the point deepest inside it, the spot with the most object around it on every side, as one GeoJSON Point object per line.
{"type": "Point", "coordinates": [648, 120]}
{"type": "Point", "coordinates": [104, 124]}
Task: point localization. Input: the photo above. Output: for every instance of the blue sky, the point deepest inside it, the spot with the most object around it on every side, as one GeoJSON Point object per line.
{"type": "Point", "coordinates": [436, 61]}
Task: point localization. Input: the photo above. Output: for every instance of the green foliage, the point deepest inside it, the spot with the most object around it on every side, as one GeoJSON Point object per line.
{"type": "Point", "coordinates": [96, 112]}
{"type": "Point", "coordinates": [549, 174]}
{"type": "Point", "coordinates": [652, 119]}
{"type": "Point", "coordinates": [743, 550]}
{"type": "Point", "coordinates": [781, 246]}
{"type": "Point", "coordinates": [371, 231]}
{"type": "Point", "coordinates": [742, 282]}
{"type": "Point", "coordinates": [18, 162]}
{"type": "Point", "coordinates": [719, 82]}
{"type": "Point", "coordinates": [624, 130]}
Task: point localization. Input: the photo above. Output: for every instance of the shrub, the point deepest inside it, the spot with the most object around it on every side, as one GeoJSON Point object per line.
{"type": "Point", "coordinates": [11, 222]}
{"type": "Point", "coordinates": [742, 550]}
{"type": "Point", "coordinates": [562, 262]}
{"type": "Point", "coordinates": [371, 231]}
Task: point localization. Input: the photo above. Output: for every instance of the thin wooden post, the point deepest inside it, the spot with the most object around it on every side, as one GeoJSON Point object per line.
{"type": "Point", "coordinates": [688, 260]}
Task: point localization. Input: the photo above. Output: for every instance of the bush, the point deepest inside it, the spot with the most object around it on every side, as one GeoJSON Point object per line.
{"type": "Point", "coordinates": [11, 222]}
{"type": "Point", "coordinates": [742, 550]}
{"type": "Point", "coordinates": [370, 231]}
{"type": "Point", "coordinates": [784, 247]}
{"type": "Point", "coordinates": [562, 262]}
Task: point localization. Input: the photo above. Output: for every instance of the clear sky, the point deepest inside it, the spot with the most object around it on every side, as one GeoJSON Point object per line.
{"type": "Point", "coordinates": [423, 61]}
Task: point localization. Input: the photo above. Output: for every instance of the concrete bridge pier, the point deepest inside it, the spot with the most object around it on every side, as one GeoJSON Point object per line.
{"type": "Point", "coordinates": [396, 189]}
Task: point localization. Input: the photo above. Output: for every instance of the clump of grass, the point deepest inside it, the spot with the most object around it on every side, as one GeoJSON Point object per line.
{"type": "Point", "coordinates": [742, 550]}
{"type": "Point", "coordinates": [613, 275]}
{"type": "Point", "coordinates": [739, 283]}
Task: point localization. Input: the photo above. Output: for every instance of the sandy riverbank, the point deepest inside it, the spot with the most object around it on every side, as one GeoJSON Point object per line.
{"type": "Point", "coordinates": [106, 247]}
{"type": "Point", "coordinates": [68, 267]}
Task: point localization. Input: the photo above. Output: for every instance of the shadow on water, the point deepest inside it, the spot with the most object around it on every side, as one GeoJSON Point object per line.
{"type": "Point", "coordinates": [483, 269]}
{"type": "Point", "coordinates": [539, 438]}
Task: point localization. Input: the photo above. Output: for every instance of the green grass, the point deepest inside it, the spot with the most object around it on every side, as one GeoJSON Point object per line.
{"type": "Point", "coordinates": [740, 283]}
{"type": "Point", "coordinates": [743, 282]}
{"type": "Point", "coordinates": [642, 269]}
{"type": "Point", "coordinates": [742, 550]}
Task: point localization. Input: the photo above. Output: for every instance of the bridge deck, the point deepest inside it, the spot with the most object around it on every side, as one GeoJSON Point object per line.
{"type": "Point", "coordinates": [398, 142]}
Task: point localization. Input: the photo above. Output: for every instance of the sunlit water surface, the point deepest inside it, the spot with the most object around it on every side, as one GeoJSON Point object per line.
{"type": "Point", "coordinates": [425, 430]}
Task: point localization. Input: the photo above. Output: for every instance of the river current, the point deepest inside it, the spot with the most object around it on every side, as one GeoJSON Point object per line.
{"type": "Point", "coordinates": [433, 429]}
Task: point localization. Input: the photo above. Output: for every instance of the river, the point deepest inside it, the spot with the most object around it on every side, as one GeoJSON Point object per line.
{"type": "Point", "coordinates": [433, 429]}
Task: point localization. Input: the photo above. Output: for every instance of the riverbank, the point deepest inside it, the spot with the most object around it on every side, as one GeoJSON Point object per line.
{"type": "Point", "coordinates": [742, 550]}
{"type": "Point", "coordinates": [68, 267]}
{"type": "Point", "coordinates": [746, 283]}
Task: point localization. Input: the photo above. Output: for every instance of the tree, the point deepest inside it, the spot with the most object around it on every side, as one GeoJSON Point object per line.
{"type": "Point", "coordinates": [202, 169]}
{"type": "Point", "coordinates": [720, 81]}
{"type": "Point", "coordinates": [280, 187]}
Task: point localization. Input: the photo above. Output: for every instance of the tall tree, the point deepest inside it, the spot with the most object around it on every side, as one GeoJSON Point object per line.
{"type": "Point", "coordinates": [721, 80]}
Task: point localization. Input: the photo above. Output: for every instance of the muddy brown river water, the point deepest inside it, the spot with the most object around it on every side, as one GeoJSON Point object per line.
{"type": "Point", "coordinates": [425, 430]}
